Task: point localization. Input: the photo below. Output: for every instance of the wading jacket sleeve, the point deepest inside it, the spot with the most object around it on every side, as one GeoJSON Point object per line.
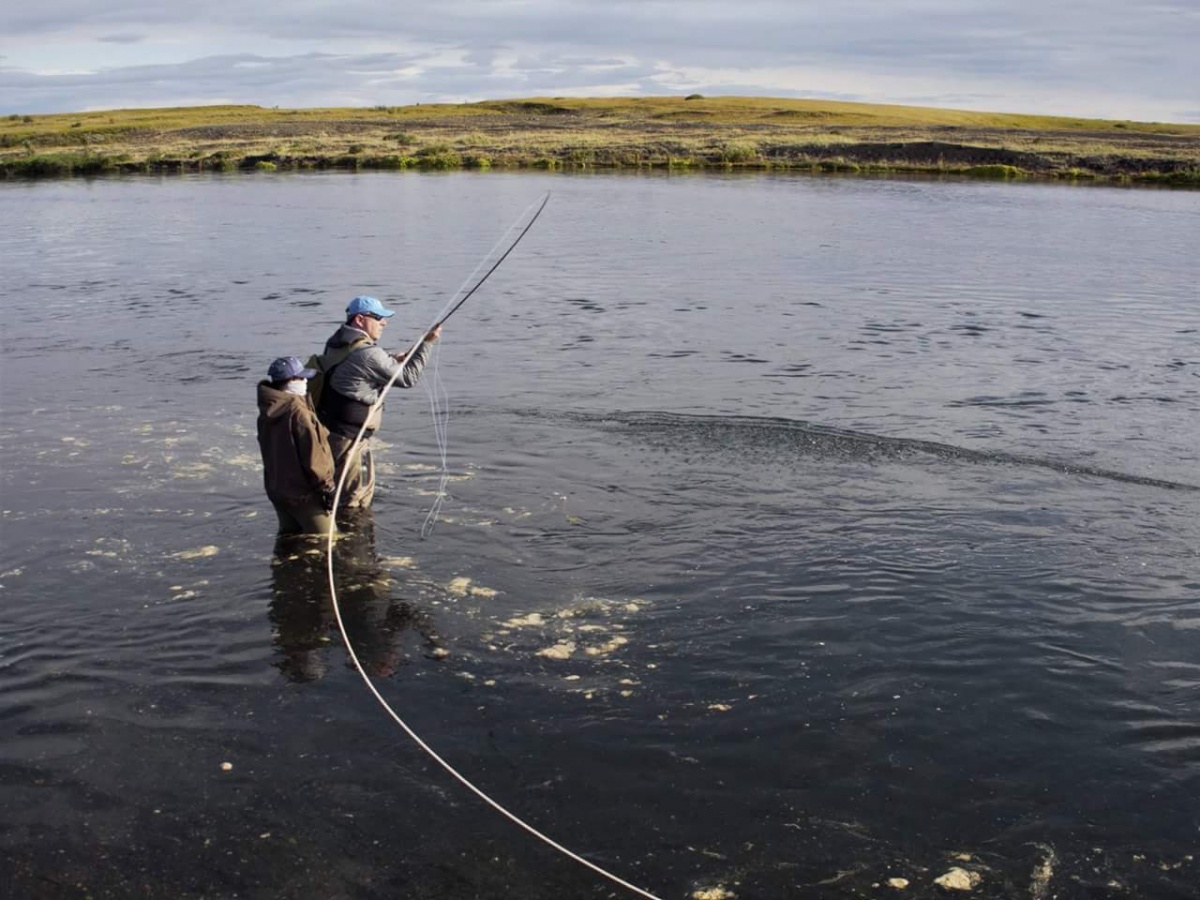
{"type": "Point", "coordinates": [365, 371]}
{"type": "Point", "coordinates": [297, 462]}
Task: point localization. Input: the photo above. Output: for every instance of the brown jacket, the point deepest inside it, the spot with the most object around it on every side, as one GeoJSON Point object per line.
{"type": "Point", "coordinates": [297, 462]}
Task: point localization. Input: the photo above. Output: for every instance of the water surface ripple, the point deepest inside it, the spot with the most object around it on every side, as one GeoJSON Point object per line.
{"type": "Point", "coordinates": [803, 534]}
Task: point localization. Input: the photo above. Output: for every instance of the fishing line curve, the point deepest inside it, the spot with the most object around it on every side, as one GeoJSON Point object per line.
{"type": "Point", "coordinates": [452, 306]}
{"type": "Point", "coordinates": [439, 408]}
{"type": "Point", "coordinates": [503, 257]}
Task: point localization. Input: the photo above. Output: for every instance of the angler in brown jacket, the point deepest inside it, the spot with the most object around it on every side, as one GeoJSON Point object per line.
{"type": "Point", "coordinates": [297, 464]}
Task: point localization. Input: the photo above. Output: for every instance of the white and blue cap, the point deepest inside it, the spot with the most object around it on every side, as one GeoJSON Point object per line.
{"type": "Point", "coordinates": [367, 306]}
{"type": "Point", "coordinates": [287, 368]}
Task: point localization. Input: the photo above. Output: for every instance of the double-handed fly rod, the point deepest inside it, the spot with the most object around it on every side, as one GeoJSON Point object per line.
{"type": "Point", "coordinates": [452, 307]}
{"type": "Point", "coordinates": [495, 266]}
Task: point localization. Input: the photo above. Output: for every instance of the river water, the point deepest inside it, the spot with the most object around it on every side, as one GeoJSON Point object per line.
{"type": "Point", "coordinates": [802, 533]}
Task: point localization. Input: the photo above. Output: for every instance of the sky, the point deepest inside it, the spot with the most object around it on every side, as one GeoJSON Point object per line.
{"type": "Point", "coordinates": [1112, 59]}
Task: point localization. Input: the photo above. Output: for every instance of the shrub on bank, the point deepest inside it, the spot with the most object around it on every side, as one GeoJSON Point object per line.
{"type": "Point", "coordinates": [581, 156]}
{"type": "Point", "coordinates": [220, 160]}
{"type": "Point", "coordinates": [837, 164]}
{"type": "Point", "coordinates": [50, 165]}
{"type": "Point", "coordinates": [446, 159]}
{"type": "Point", "coordinates": [1181, 178]}
{"type": "Point", "coordinates": [995, 171]}
{"type": "Point", "coordinates": [390, 161]}
{"type": "Point", "coordinates": [739, 152]}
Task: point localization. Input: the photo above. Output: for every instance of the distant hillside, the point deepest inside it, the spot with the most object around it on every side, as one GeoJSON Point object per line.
{"type": "Point", "coordinates": [653, 132]}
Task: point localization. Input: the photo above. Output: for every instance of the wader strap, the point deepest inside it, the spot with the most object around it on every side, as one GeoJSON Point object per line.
{"type": "Point", "coordinates": [336, 411]}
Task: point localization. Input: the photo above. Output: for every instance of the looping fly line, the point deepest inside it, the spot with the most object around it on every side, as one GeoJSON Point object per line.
{"type": "Point", "coordinates": [440, 408]}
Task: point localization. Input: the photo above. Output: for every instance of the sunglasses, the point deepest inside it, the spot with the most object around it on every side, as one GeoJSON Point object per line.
{"type": "Point", "coordinates": [376, 318]}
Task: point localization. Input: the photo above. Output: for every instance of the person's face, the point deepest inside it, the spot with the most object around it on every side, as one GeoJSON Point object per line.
{"type": "Point", "coordinates": [372, 325]}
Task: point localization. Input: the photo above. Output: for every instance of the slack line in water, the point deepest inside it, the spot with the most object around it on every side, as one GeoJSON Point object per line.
{"type": "Point", "coordinates": [488, 266]}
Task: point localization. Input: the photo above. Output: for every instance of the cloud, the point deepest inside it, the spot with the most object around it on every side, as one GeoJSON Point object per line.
{"type": "Point", "coordinates": [1075, 57]}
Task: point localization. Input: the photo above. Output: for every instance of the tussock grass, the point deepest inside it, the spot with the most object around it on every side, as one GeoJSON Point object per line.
{"type": "Point", "coordinates": [680, 133]}
{"type": "Point", "coordinates": [996, 171]}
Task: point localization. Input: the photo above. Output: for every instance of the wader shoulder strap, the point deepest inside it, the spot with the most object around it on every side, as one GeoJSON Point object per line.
{"type": "Point", "coordinates": [335, 409]}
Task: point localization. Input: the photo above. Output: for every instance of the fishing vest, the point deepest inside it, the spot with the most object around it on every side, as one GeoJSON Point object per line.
{"type": "Point", "coordinates": [337, 412]}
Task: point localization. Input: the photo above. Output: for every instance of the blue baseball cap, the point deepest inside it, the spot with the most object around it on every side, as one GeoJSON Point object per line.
{"type": "Point", "coordinates": [287, 368]}
{"type": "Point", "coordinates": [367, 306]}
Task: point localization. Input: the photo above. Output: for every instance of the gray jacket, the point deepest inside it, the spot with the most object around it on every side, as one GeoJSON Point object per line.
{"type": "Point", "coordinates": [365, 372]}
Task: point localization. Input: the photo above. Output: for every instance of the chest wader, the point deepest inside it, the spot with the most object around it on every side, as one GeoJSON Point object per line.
{"type": "Point", "coordinates": [344, 417]}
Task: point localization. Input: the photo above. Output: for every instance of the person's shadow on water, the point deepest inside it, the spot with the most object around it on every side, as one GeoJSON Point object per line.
{"type": "Point", "coordinates": [301, 610]}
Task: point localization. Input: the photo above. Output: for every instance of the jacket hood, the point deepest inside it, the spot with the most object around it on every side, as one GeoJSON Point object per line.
{"type": "Point", "coordinates": [345, 336]}
{"type": "Point", "coordinates": [273, 402]}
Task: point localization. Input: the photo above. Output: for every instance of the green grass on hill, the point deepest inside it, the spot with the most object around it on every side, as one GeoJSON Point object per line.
{"type": "Point", "coordinates": [723, 110]}
{"type": "Point", "coordinates": [553, 132]}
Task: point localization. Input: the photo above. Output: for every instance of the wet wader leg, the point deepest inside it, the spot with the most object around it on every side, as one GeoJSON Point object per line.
{"type": "Point", "coordinates": [313, 518]}
{"type": "Point", "coordinates": [359, 488]}
{"type": "Point", "coordinates": [302, 518]}
{"type": "Point", "coordinates": [288, 524]}
{"type": "Point", "coordinates": [367, 488]}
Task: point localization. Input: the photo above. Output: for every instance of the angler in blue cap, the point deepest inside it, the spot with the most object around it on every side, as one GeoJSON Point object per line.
{"type": "Point", "coordinates": [355, 370]}
{"type": "Point", "coordinates": [298, 465]}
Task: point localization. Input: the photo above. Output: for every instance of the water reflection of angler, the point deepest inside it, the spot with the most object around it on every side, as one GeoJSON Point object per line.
{"type": "Point", "coordinates": [302, 611]}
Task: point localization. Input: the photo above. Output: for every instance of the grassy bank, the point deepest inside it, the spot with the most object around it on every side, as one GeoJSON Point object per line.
{"type": "Point", "coordinates": [657, 132]}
